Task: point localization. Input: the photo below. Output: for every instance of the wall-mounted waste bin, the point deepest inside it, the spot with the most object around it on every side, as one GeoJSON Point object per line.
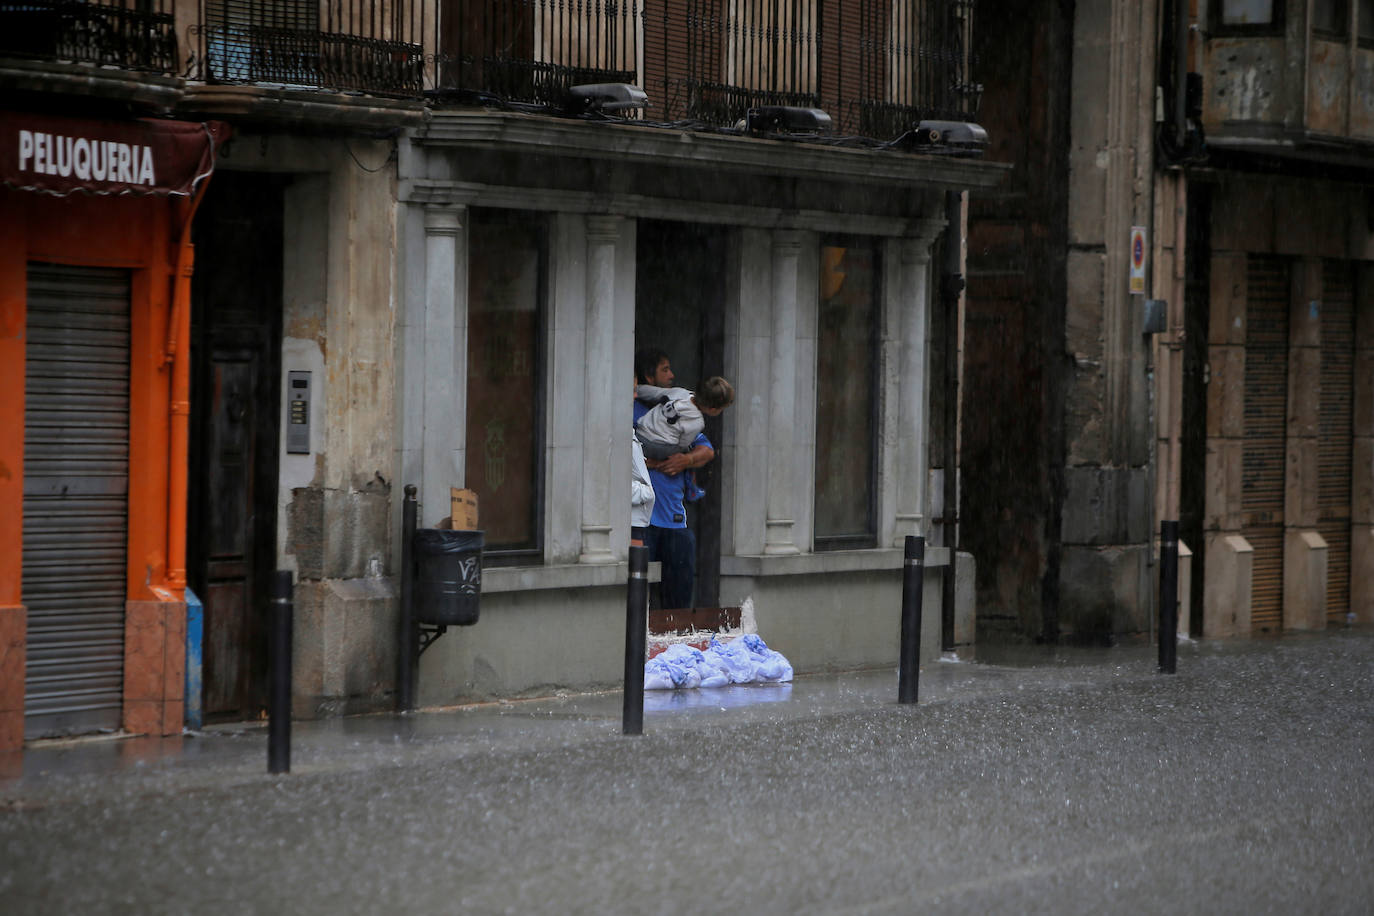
{"type": "Point", "coordinates": [448, 580]}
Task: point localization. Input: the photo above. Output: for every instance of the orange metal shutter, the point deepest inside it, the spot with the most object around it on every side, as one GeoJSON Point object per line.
{"type": "Point", "coordinates": [76, 479]}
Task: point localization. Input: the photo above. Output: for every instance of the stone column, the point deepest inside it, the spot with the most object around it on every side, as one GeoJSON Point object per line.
{"type": "Point", "coordinates": [782, 386]}
{"type": "Point", "coordinates": [443, 457]}
{"type": "Point", "coordinates": [913, 392]}
{"type": "Point", "coordinates": [601, 400]}
{"type": "Point", "coordinates": [1305, 551]}
{"type": "Point", "coordinates": [1362, 465]}
{"type": "Point", "coordinates": [1227, 590]}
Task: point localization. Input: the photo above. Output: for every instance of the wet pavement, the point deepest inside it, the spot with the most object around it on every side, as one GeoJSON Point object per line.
{"type": "Point", "coordinates": [1046, 780]}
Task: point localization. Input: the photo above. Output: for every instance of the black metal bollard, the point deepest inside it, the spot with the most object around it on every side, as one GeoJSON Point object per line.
{"type": "Point", "coordinates": [1168, 597]}
{"type": "Point", "coordinates": [913, 581]}
{"type": "Point", "coordinates": [636, 630]}
{"type": "Point", "coordinates": [406, 641]}
{"type": "Point", "coordinates": [279, 685]}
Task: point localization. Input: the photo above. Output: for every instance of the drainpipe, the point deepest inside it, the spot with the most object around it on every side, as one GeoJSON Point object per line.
{"type": "Point", "coordinates": [1181, 72]}
{"type": "Point", "coordinates": [177, 352]}
{"type": "Point", "coordinates": [951, 287]}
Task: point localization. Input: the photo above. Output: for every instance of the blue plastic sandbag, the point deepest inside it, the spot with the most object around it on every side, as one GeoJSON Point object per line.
{"type": "Point", "coordinates": [679, 666]}
{"type": "Point", "coordinates": [748, 660]}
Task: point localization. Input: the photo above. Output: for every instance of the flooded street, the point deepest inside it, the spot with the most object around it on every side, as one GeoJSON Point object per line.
{"type": "Point", "coordinates": [1051, 781]}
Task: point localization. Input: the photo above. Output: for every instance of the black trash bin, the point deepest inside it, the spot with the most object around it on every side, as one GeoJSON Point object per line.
{"type": "Point", "coordinates": [448, 580]}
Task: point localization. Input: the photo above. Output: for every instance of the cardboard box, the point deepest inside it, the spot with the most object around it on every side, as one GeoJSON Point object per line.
{"type": "Point", "coordinates": [463, 506]}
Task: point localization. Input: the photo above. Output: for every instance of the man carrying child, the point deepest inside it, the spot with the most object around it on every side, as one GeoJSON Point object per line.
{"type": "Point", "coordinates": [668, 538]}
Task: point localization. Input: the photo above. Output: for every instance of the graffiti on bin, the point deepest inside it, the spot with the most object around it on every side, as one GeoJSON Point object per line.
{"type": "Point", "coordinates": [471, 569]}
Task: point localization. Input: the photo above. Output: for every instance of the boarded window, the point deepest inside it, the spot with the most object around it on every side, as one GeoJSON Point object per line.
{"type": "Point", "coordinates": [506, 258]}
{"type": "Point", "coordinates": [846, 396]}
{"type": "Point", "coordinates": [1247, 12]}
{"type": "Point", "coordinates": [1330, 18]}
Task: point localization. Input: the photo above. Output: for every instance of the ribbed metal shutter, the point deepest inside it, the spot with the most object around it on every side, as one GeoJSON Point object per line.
{"type": "Point", "coordinates": [76, 468]}
{"type": "Point", "coordinates": [1263, 456]}
{"type": "Point", "coordinates": [1337, 431]}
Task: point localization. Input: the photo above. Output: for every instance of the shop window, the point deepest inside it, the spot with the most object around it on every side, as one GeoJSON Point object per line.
{"type": "Point", "coordinates": [1241, 17]}
{"type": "Point", "coordinates": [507, 254]}
{"type": "Point", "coordinates": [847, 396]}
{"type": "Point", "coordinates": [1330, 18]}
{"type": "Point", "coordinates": [1366, 23]}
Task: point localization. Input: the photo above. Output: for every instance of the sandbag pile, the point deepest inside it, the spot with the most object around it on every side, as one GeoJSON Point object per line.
{"type": "Point", "coordinates": [746, 660]}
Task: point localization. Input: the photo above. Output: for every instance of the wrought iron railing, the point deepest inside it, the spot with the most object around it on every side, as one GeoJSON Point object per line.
{"type": "Point", "coordinates": [130, 35]}
{"type": "Point", "coordinates": [875, 66]}
{"type": "Point", "coordinates": [533, 50]}
{"type": "Point", "coordinates": [350, 45]}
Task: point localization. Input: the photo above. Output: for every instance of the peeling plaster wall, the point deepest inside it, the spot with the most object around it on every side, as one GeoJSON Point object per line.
{"type": "Point", "coordinates": [1328, 79]}
{"type": "Point", "coordinates": [1362, 98]}
{"type": "Point", "coordinates": [333, 504]}
{"type": "Point", "coordinates": [1243, 81]}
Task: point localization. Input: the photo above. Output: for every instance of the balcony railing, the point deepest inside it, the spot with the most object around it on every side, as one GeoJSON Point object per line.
{"type": "Point", "coordinates": [350, 45]}
{"type": "Point", "coordinates": [130, 35]}
{"type": "Point", "coordinates": [876, 66]}
{"type": "Point", "coordinates": [533, 50]}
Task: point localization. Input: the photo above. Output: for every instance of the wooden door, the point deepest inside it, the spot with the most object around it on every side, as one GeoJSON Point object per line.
{"type": "Point", "coordinates": [231, 549]}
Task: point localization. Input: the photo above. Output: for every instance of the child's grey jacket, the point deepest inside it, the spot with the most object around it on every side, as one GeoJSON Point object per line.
{"type": "Point", "coordinates": [672, 425]}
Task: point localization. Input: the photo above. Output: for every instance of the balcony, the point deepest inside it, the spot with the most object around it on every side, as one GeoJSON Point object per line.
{"type": "Point", "coordinates": [341, 45]}
{"type": "Point", "coordinates": [876, 66]}
{"type": "Point", "coordinates": [136, 35]}
{"type": "Point", "coordinates": [532, 51]}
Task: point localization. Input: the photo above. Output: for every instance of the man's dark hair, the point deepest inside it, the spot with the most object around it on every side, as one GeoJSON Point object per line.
{"type": "Point", "coordinates": [646, 363]}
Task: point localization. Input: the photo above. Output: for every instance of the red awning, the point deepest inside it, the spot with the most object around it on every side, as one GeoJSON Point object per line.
{"type": "Point", "coordinates": [57, 155]}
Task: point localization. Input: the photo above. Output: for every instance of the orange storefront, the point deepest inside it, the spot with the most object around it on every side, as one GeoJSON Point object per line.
{"type": "Point", "coordinates": [95, 266]}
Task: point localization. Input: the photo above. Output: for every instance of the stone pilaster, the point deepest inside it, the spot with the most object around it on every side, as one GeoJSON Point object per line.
{"type": "Point", "coordinates": [1362, 458]}
{"type": "Point", "coordinates": [1305, 552]}
{"type": "Point", "coordinates": [913, 390]}
{"type": "Point", "coordinates": [602, 397]}
{"type": "Point", "coordinates": [154, 667]}
{"type": "Point", "coordinates": [1230, 559]}
{"type": "Point", "coordinates": [443, 455]}
{"type": "Point", "coordinates": [782, 387]}
{"type": "Point", "coordinates": [13, 646]}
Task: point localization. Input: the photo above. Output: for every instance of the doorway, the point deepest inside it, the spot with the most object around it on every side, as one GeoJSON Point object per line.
{"type": "Point", "coordinates": [680, 290]}
{"type": "Point", "coordinates": [235, 423]}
